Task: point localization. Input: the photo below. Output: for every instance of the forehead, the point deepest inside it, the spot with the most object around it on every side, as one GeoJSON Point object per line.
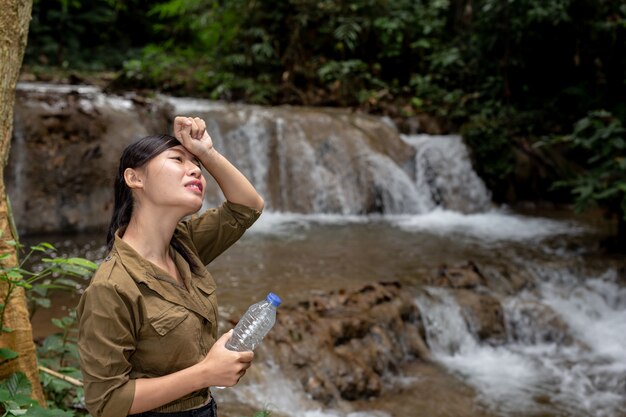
{"type": "Point", "coordinates": [179, 149]}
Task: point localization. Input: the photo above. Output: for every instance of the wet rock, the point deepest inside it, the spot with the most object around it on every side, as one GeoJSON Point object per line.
{"type": "Point", "coordinates": [341, 345]}
{"type": "Point", "coordinates": [463, 276]}
{"type": "Point", "coordinates": [506, 280]}
{"type": "Point", "coordinates": [68, 139]}
{"type": "Point", "coordinates": [64, 154]}
{"type": "Point", "coordinates": [481, 308]}
{"type": "Point", "coordinates": [531, 322]}
{"type": "Point", "coordinates": [483, 314]}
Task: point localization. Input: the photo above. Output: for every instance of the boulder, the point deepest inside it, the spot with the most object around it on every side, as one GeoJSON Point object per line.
{"type": "Point", "coordinates": [341, 346]}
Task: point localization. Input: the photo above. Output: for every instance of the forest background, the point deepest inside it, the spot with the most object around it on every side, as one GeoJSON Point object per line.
{"type": "Point", "coordinates": [536, 88]}
{"type": "Point", "coordinates": [526, 82]}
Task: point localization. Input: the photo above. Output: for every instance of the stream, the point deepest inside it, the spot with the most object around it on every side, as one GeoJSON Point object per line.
{"type": "Point", "coordinates": [352, 202]}
{"type": "Point", "coordinates": [577, 368]}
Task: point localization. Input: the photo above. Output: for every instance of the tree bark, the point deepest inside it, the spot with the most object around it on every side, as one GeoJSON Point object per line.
{"type": "Point", "coordinates": [15, 17]}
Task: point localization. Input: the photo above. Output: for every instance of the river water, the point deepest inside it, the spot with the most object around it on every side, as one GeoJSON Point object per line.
{"type": "Point", "coordinates": [582, 373]}
{"type": "Point", "coordinates": [563, 298]}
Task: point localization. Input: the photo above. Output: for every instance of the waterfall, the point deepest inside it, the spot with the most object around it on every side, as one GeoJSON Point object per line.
{"type": "Point", "coordinates": [565, 348]}
{"type": "Point", "coordinates": [306, 161]}
{"type": "Point", "coordinates": [444, 172]}
{"type": "Point", "coordinates": [324, 162]}
{"type": "Point", "coordinates": [337, 170]}
{"type": "Point", "coordinates": [321, 171]}
{"type": "Point", "coordinates": [302, 160]}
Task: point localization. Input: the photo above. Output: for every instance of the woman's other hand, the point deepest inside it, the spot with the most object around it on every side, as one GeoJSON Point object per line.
{"type": "Point", "coordinates": [225, 367]}
{"type": "Point", "coordinates": [192, 134]}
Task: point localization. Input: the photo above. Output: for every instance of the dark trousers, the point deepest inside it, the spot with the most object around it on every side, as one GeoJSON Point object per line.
{"type": "Point", "coordinates": [209, 410]}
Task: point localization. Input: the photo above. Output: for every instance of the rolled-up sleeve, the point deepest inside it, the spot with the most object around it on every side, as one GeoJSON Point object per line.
{"type": "Point", "coordinates": [105, 342]}
{"type": "Point", "coordinates": [215, 230]}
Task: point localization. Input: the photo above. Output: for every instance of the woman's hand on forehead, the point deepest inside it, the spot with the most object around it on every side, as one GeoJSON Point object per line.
{"type": "Point", "coordinates": [192, 134]}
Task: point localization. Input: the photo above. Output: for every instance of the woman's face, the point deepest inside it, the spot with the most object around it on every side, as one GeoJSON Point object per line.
{"type": "Point", "coordinates": [174, 178]}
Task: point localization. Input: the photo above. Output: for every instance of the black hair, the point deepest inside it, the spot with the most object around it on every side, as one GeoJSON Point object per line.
{"type": "Point", "coordinates": [136, 155]}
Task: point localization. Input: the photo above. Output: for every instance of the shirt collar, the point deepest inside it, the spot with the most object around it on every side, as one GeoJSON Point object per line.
{"type": "Point", "coordinates": [143, 271]}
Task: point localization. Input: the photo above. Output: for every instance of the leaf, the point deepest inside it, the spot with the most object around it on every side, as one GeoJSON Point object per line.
{"type": "Point", "coordinates": [14, 275]}
{"type": "Point", "coordinates": [6, 353]}
{"type": "Point", "coordinates": [73, 266]}
{"type": "Point", "coordinates": [16, 384]}
{"type": "Point", "coordinates": [43, 302]}
{"type": "Point", "coordinates": [41, 248]}
{"type": "Point", "coordinates": [4, 396]}
{"type": "Point", "coordinates": [65, 282]}
{"type": "Point", "coordinates": [85, 263]}
{"type": "Point", "coordinates": [58, 323]}
{"type": "Point", "coordinates": [54, 287]}
{"type": "Point", "coordinates": [38, 411]}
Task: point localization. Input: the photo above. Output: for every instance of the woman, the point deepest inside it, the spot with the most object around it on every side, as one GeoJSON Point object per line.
{"type": "Point", "coordinates": [148, 319]}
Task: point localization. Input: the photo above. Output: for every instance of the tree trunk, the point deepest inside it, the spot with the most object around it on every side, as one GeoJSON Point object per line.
{"type": "Point", "coordinates": [14, 20]}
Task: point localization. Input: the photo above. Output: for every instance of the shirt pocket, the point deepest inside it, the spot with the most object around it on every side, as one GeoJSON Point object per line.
{"type": "Point", "coordinates": [169, 319]}
{"type": "Point", "coordinates": [206, 295]}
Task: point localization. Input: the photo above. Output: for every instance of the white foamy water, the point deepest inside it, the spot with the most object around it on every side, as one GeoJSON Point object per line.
{"type": "Point", "coordinates": [580, 374]}
{"type": "Point", "coordinates": [488, 227]}
{"type": "Point", "coordinates": [275, 223]}
{"type": "Point", "coordinates": [58, 88]}
{"type": "Point", "coordinates": [444, 173]}
{"type": "Point", "coordinates": [269, 389]}
{"type": "Point", "coordinates": [89, 96]}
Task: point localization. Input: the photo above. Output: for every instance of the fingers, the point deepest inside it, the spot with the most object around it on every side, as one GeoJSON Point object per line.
{"type": "Point", "coordinates": [200, 127]}
{"type": "Point", "coordinates": [189, 127]}
{"type": "Point", "coordinates": [182, 129]}
{"type": "Point", "coordinates": [224, 338]}
{"type": "Point", "coordinates": [246, 357]}
{"type": "Point", "coordinates": [181, 122]}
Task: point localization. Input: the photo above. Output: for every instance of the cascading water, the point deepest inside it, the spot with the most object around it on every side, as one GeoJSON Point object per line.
{"type": "Point", "coordinates": [321, 172]}
{"type": "Point", "coordinates": [302, 160]}
{"type": "Point", "coordinates": [445, 174]}
{"type": "Point", "coordinates": [310, 162]}
{"type": "Point", "coordinates": [565, 353]}
{"type": "Point", "coordinates": [336, 173]}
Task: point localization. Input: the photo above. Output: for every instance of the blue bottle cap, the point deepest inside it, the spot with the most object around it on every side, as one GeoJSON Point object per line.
{"type": "Point", "coordinates": [274, 299]}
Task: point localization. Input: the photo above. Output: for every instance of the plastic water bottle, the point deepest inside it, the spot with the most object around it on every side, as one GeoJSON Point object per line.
{"type": "Point", "coordinates": [254, 325]}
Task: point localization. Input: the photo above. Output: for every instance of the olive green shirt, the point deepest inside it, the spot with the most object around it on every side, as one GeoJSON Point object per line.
{"type": "Point", "coordinates": [136, 321]}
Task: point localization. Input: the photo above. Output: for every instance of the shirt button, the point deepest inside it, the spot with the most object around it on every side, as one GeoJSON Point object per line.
{"type": "Point", "coordinates": [108, 258]}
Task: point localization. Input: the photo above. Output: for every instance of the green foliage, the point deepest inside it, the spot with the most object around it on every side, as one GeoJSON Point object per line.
{"type": "Point", "coordinates": [496, 70]}
{"type": "Point", "coordinates": [15, 394]}
{"type": "Point", "coordinates": [303, 51]}
{"type": "Point", "coordinates": [15, 399]}
{"type": "Point", "coordinates": [58, 351]}
{"type": "Point", "coordinates": [598, 143]}
{"type": "Point", "coordinates": [87, 35]}
{"type": "Point", "coordinates": [52, 273]}
{"type": "Point", "coordinates": [489, 134]}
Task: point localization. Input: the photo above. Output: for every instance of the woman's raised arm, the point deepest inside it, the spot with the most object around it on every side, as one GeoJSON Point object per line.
{"type": "Point", "coordinates": [192, 134]}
